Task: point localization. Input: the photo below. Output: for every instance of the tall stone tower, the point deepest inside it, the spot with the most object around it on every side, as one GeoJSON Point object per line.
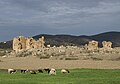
{"type": "Point", "coordinates": [41, 42]}
{"type": "Point", "coordinates": [19, 43]}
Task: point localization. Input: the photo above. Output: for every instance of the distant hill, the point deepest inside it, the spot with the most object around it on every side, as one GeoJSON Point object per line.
{"type": "Point", "coordinates": [81, 40]}
{"type": "Point", "coordinates": [58, 40]}
{"type": "Point", "coordinates": [64, 39]}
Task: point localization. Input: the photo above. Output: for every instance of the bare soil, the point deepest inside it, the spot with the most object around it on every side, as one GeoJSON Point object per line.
{"type": "Point", "coordinates": [35, 63]}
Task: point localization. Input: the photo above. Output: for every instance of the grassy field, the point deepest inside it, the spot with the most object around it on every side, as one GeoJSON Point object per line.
{"type": "Point", "coordinates": [77, 76]}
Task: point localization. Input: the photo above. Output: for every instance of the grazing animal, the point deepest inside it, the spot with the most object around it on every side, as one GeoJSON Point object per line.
{"type": "Point", "coordinates": [65, 71]}
{"type": "Point", "coordinates": [11, 71]}
{"type": "Point", "coordinates": [24, 71]}
{"type": "Point", "coordinates": [47, 70]}
{"type": "Point", "coordinates": [52, 71]}
{"type": "Point", "coordinates": [32, 72]}
{"type": "Point", "coordinates": [40, 71]}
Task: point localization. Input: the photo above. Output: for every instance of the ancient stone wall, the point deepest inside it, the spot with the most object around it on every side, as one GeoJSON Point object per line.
{"type": "Point", "coordinates": [107, 45]}
{"type": "Point", "coordinates": [23, 43]}
{"type": "Point", "coordinates": [41, 42]}
{"type": "Point", "coordinates": [30, 43]}
{"type": "Point", "coordinates": [19, 43]}
{"type": "Point", "coordinates": [92, 45]}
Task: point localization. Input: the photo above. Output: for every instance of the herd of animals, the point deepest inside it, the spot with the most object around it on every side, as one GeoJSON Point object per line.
{"type": "Point", "coordinates": [50, 71]}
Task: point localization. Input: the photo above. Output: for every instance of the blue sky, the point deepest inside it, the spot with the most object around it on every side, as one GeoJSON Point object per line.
{"type": "Point", "coordinates": [76, 17]}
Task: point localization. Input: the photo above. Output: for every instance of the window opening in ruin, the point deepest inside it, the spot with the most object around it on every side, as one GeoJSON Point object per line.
{"type": "Point", "coordinates": [20, 46]}
{"type": "Point", "coordinates": [19, 39]}
{"type": "Point", "coordinates": [30, 40]}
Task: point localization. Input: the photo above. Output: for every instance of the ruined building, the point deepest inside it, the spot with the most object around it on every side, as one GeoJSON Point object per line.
{"type": "Point", "coordinates": [23, 43]}
{"type": "Point", "coordinates": [107, 45]}
{"type": "Point", "coordinates": [92, 45]}
{"type": "Point", "coordinates": [19, 43]}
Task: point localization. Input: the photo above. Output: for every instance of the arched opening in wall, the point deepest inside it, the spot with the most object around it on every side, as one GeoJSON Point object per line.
{"type": "Point", "coordinates": [30, 40]}
{"type": "Point", "coordinates": [18, 39]}
{"type": "Point", "coordinates": [20, 46]}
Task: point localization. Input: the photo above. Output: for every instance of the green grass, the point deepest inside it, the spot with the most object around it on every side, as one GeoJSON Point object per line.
{"type": "Point", "coordinates": [77, 76]}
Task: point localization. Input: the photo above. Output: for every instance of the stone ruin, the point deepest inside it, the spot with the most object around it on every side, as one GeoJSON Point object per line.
{"type": "Point", "coordinates": [107, 45]}
{"type": "Point", "coordinates": [23, 43]}
{"type": "Point", "coordinates": [23, 47]}
{"type": "Point", "coordinates": [92, 45]}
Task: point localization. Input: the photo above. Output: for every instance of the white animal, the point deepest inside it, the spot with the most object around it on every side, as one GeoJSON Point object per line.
{"type": "Point", "coordinates": [11, 71]}
{"type": "Point", "coordinates": [33, 72]}
{"type": "Point", "coordinates": [65, 71]}
{"type": "Point", "coordinates": [52, 71]}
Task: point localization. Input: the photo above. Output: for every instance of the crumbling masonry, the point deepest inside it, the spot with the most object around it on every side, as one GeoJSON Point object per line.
{"type": "Point", "coordinates": [23, 43]}
{"type": "Point", "coordinates": [107, 45]}
{"type": "Point", "coordinates": [92, 45]}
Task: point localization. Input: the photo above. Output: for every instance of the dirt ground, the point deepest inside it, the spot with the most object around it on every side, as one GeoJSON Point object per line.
{"type": "Point", "coordinates": [35, 63]}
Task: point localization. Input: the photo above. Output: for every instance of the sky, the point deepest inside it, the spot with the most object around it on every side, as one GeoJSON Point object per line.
{"type": "Point", "coordinates": [74, 17]}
